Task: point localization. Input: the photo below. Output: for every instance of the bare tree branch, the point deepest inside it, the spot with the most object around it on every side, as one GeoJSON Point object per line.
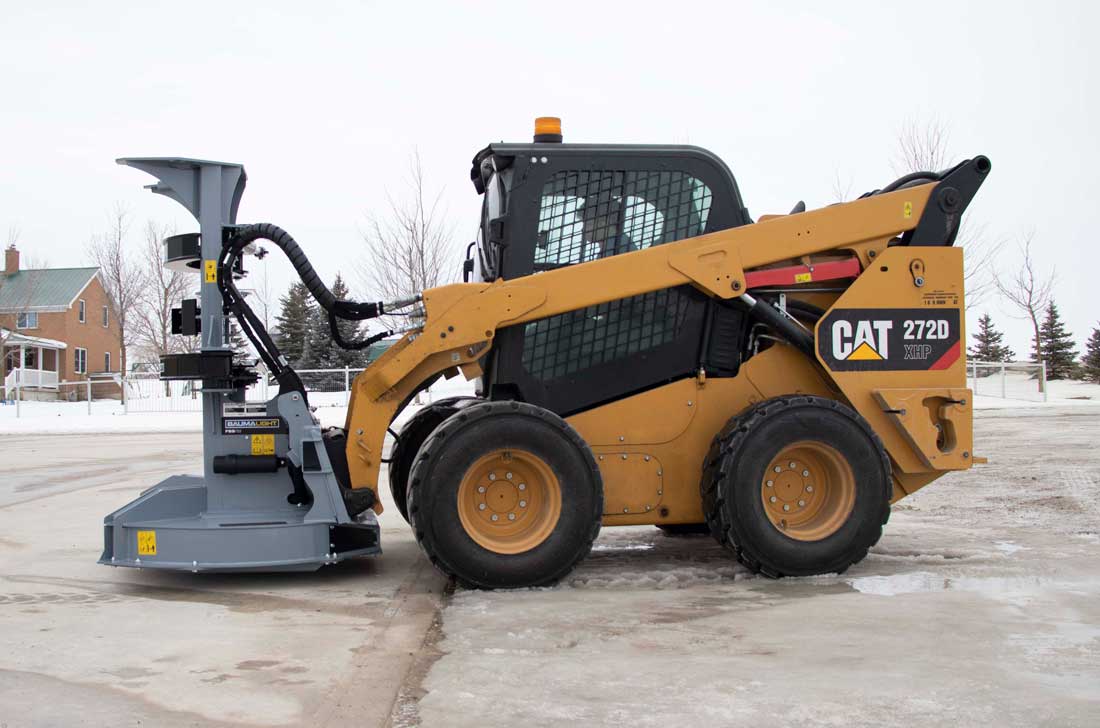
{"type": "Point", "coordinates": [122, 276]}
{"type": "Point", "coordinates": [1028, 290]}
{"type": "Point", "coordinates": [842, 188]}
{"type": "Point", "coordinates": [410, 247]}
{"type": "Point", "coordinates": [921, 147]}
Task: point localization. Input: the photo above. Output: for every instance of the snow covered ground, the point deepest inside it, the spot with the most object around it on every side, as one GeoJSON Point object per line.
{"type": "Point", "coordinates": [109, 416]}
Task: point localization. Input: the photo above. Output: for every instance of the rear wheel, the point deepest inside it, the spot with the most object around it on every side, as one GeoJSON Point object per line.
{"type": "Point", "coordinates": [797, 486]}
{"type": "Point", "coordinates": [505, 494]}
{"type": "Point", "coordinates": [409, 440]}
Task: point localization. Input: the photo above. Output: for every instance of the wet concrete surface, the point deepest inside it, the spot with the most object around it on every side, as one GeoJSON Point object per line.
{"type": "Point", "coordinates": [979, 606]}
{"type": "Point", "coordinates": [84, 644]}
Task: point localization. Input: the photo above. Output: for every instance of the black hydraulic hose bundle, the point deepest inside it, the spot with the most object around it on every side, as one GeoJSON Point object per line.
{"type": "Point", "coordinates": [251, 325]}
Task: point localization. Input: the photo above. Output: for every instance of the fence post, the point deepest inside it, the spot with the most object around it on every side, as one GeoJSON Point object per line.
{"type": "Point", "coordinates": [18, 398]}
{"type": "Point", "coordinates": [1043, 379]}
{"type": "Point", "coordinates": [89, 389]}
{"type": "Point", "coordinates": [125, 399]}
{"type": "Point", "coordinates": [347, 384]}
{"type": "Point", "coordinates": [974, 377]}
{"type": "Point", "coordinates": [1003, 391]}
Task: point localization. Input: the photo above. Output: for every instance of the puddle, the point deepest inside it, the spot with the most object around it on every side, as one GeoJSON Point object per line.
{"type": "Point", "coordinates": [1008, 547]}
{"type": "Point", "coordinates": [923, 581]}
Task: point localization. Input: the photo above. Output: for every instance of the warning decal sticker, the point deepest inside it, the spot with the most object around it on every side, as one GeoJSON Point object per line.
{"type": "Point", "coordinates": [147, 543]}
{"type": "Point", "coordinates": [889, 339]}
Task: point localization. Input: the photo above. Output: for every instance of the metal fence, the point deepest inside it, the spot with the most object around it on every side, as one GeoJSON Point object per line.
{"type": "Point", "coordinates": [146, 392]}
{"type": "Point", "coordinates": [1008, 380]}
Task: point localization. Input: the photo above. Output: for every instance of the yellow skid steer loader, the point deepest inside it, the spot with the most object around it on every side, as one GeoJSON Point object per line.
{"type": "Point", "coordinates": [645, 353]}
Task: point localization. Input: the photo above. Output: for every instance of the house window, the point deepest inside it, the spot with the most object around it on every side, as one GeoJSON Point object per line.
{"type": "Point", "coordinates": [105, 317]}
{"type": "Point", "coordinates": [82, 310]}
{"type": "Point", "coordinates": [27, 320]}
{"type": "Point", "coordinates": [106, 361]}
{"type": "Point", "coordinates": [80, 361]}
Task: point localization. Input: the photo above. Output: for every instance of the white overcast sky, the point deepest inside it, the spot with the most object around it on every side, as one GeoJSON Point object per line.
{"type": "Point", "coordinates": [324, 102]}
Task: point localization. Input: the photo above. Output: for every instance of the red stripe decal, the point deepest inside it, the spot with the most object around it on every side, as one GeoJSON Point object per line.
{"type": "Point", "coordinates": [788, 276]}
{"type": "Point", "coordinates": [949, 357]}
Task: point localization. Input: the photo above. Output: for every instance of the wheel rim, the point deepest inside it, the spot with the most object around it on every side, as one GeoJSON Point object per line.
{"type": "Point", "coordinates": [808, 491]}
{"type": "Point", "coordinates": [509, 501]}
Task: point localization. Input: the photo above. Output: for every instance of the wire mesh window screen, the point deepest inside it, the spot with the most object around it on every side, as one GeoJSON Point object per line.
{"type": "Point", "coordinates": [589, 215]}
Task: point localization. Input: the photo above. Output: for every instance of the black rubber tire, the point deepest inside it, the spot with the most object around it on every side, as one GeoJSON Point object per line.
{"type": "Point", "coordinates": [449, 452]}
{"type": "Point", "coordinates": [408, 442]}
{"type": "Point", "coordinates": [684, 529]}
{"type": "Point", "coordinates": [735, 466]}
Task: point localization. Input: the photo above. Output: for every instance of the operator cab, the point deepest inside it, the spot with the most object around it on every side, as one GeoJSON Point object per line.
{"type": "Point", "coordinates": [548, 205]}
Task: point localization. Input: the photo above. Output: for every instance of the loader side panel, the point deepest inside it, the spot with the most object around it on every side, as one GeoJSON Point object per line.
{"type": "Point", "coordinates": [894, 343]}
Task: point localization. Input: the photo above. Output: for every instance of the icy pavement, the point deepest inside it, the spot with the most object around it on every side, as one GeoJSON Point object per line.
{"type": "Point", "coordinates": [978, 607]}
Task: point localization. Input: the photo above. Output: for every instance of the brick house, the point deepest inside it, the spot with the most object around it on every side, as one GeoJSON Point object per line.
{"type": "Point", "coordinates": [56, 326]}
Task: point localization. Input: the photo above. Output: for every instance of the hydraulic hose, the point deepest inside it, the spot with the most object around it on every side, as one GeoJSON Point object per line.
{"type": "Point", "coordinates": [251, 325]}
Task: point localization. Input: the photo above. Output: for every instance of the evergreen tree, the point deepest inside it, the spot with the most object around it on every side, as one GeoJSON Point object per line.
{"type": "Point", "coordinates": [294, 322]}
{"type": "Point", "coordinates": [1056, 345]}
{"type": "Point", "coordinates": [324, 352]}
{"type": "Point", "coordinates": [987, 343]}
{"type": "Point", "coordinates": [1090, 362]}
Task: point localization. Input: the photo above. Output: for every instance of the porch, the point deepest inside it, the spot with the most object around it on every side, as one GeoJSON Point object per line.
{"type": "Point", "coordinates": [32, 363]}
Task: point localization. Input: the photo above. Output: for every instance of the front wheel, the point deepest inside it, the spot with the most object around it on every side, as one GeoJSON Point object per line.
{"type": "Point", "coordinates": [797, 486]}
{"type": "Point", "coordinates": [505, 494]}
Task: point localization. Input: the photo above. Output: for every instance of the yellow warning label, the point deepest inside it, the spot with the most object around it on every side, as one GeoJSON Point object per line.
{"type": "Point", "coordinates": [907, 210]}
{"type": "Point", "coordinates": [864, 352]}
{"type": "Point", "coordinates": [803, 277]}
{"type": "Point", "coordinates": [211, 268]}
{"type": "Point", "coordinates": [263, 444]}
{"type": "Point", "coordinates": [147, 543]}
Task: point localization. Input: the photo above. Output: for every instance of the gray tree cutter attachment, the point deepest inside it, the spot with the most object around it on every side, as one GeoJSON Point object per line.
{"type": "Point", "coordinates": [242, 514]}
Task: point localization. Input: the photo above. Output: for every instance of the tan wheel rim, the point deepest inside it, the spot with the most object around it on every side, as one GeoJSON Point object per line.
{"type": "Point", "coordinates": [509, 501]}
{"type": "Point", "coordinates": [808, 491]}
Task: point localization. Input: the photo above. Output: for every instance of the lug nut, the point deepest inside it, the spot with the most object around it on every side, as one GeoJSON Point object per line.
{"type": "Point", "coordinates": [495, 517]}
{"type": "Point", "coordinates": [508, 476]}
{"type": "Point", "coordinates": [772, 499]}
{"type": "Point", "coordinates": [785, 507]}
{"type": "Point", "coordinates": [805, 473]}
{"type": "Point", "coordinates": [770, 483]}
{"type": "Point", "coordinates": [492, 476]}
{"type": "Point", "coordinates": [792, 464]}
{"type": "Point", "coordinates": [511, 516]}
{"type": "Point", "coordinates": [522, 486]}
{"type": "Point", "coordinates": [778, 469]}
{"type": "Point", "coordinates": [809, 489]}
{"type": "Point", "coordinates": [523, 504]}
{"type": "Point", "coordinates": [801, 504]}
{"type": "Point", "coordinates": [481, 489]}
{"type": "Point", "coordinates": [481, 506]}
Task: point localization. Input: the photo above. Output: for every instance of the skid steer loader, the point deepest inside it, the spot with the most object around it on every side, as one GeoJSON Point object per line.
{"type": "Point", "coordinates": [645, 353]}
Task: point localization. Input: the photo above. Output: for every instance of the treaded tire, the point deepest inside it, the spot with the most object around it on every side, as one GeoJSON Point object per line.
{"type": "Point", "coordinates": [684, 529]}
{"type": "Point", "coordinates": [734, 468]}
{"type": "Point", "coordinates": [408, 442]}
{"type": "Point", "coordinates": [455, 446]}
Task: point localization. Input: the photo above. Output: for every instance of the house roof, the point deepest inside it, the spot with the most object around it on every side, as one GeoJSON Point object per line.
{"type": "Point", "coordinates": [42, 289]}
{"type": "Point", "coordinates": [11, 338]}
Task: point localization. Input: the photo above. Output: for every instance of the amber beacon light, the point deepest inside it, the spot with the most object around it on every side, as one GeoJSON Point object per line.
{"type": "Point", "coordinates": [548, 129]}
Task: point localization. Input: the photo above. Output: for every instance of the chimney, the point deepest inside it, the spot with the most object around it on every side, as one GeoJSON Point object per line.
{"type": "Point", "coordinates": [11, 259]}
